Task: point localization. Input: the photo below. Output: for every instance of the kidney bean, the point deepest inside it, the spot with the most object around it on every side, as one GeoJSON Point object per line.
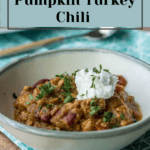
{"type": "Point", "coordinates": [70, 118]}
{"type": "Point", "coordinates": [45, 118]}
{"type": "Point", "coordinates": [39, 82]}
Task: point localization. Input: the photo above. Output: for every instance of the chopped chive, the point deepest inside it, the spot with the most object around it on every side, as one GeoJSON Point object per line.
{"type": "Point", "coordinates": [94, 110]}
{"type": "Point", "coordinates": [74, 74]}
{"type": "Point", "coordinates": [60, 75]}
{"type": "Point", "coordinates": [27, 103]}
{"type": "Point", "coordinates": [31, 97]}
{"type": "Point", "coordinates": [100, 68]}
{"type": "Point", "coordinates": [53, 129]}
{"type": "Point", "coordinates": [59, 99]}
{"type": "Point", "coordinates": [91, 103]}
{"type": "Point", "coordinates": [106, 70]}
{"type": "Point", "coordinates": [113, 116]}
{"type": "Point", "coordinates": [45, 90]}
{"type": "Point", "coordinates": [44, 110]}
{"type": "Point", "coordinates": [66, 94]}
{"type": "Point", "coordinates": [95, 70]}
{"type": "Point", "coordinates": [67, 85]}
{"type": "Point", "coordinates": [93, 85]}
{"type": "Point", "coordinates": [86, 70]}
{"type": "Point", "coordinates": [122, 116]}
{"type": "Point", "coordinates": [114, 126]}
{"type": "Point", "coordinates": [82, 94]}
{"type": "Point", "coordinates": [49, 105]}
{"type": "Point", "coordinates": [107, 116]}
{"type": "Point", "coordinates": [68, 99]}
{"type": "Point", "coordinates": [104, 119]}
{"type": "Point", "coordinates": [86, 92]}
{"type": "Point", "coordinates": [40, 106]}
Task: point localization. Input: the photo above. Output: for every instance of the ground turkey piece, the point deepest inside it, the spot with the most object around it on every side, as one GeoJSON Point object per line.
{"type": "Point", "coordinates": [119, 108]}
{"type": "Point", "coordinates": [86, 108]}
{"type": "Point", "coordinates": [50, 112]}
{"type": "Point", "coordinates": [88, 125]}
{"type": "Point", "coordinates": [71, 115]}
{"type": "Point", "coordinates": [68, 116]}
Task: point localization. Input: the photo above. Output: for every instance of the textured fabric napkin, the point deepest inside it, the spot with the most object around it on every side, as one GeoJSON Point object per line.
{"type": "Point", "coordinates": [134, 43]}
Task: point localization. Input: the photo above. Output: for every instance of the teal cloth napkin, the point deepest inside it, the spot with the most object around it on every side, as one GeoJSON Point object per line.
{"type": "Point", "coordinates": [134, 43]}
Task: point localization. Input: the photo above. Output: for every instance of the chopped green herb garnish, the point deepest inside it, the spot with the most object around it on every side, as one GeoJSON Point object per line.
{"type": "Point", "coordinates": [94, 110]}
{"type": "Point", "coordinates": [104, 119]}
{"type": "Point", "coordinates": [107, 116]}
{"type": "Point", "coordinates": [86, 92]}
{"type": "Point", "coordinates": [86, 70]}
{"type": "Point", "coordinates": [95, 97]}
{"type": "Point", "coordinates": [31, 97]}
{"type": "Point", "coordinates": [66, 94]}
{"type": "Point", "coordinates": [93, 85]}
{"type": "Point", "coordinates": [14, 96]}
{"type": "Point", "coordinates": [59, 99]}
{"type": "Point", "coordinates": [74, 74]}
{"type": "Point", "coordinates": [27, 103]}
{"type": "Point", "coordinates": [100, 68]}
{"type": "Point", "coordinates": [113, 116]}
{"type": "Point", "coordinates": [60, 75]}
{"type": "Point", "coordinates": [49, 105]}
{"type": "Point", "coordinates": [40, 106]}
{"type": "Point", "coordinates": [93, 103]}
{"type": "Point", "coordinates": [114, 126]}
{"type": "Point", "coordinates": [106, 70]}
{"type": "Point", "coordinates": [67, 85]}
{"type": "Point", "coordinates": [68, 99]}
{"type": "Point", "coordinates": [45, 90]}
{"type": "Point", "coordinates": [95, 70]}
{"type": "Point", "coordinates": [92, 75]}
{"type": "Point", "coordinates": [122, 116]}
{"type": "Point", "coordinates": [44, 110]}
{"type": "Point", "coordinates": [82, 94]}
{"type": "Point", "coordinates": [53, 129]}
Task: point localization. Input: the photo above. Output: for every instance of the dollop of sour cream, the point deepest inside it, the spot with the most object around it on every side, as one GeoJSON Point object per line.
{"type": "Point", "coordinates": [90, 84]}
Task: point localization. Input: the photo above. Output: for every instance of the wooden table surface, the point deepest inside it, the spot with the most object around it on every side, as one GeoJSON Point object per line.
{"type": "Point", "coordinates": [6, 144]}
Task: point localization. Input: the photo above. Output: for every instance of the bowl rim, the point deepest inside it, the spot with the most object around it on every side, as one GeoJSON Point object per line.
{"type": "Point", "coordinates": [67, 134]}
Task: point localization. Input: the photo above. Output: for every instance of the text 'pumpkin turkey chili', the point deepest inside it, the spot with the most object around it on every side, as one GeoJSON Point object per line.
{"type": "Point", "coordinates": [87, 100]}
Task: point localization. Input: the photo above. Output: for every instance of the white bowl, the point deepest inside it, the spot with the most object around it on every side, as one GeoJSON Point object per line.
{"type": "Point", "coordinates": [30, 69]}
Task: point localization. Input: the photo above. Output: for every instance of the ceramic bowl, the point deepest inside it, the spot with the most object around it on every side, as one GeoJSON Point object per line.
{"type": "Point", "coordinates": [30, 69]}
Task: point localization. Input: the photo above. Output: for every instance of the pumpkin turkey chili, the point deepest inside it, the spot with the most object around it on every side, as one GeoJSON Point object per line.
{"type": "Point", "coordinates": [87, 100]}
